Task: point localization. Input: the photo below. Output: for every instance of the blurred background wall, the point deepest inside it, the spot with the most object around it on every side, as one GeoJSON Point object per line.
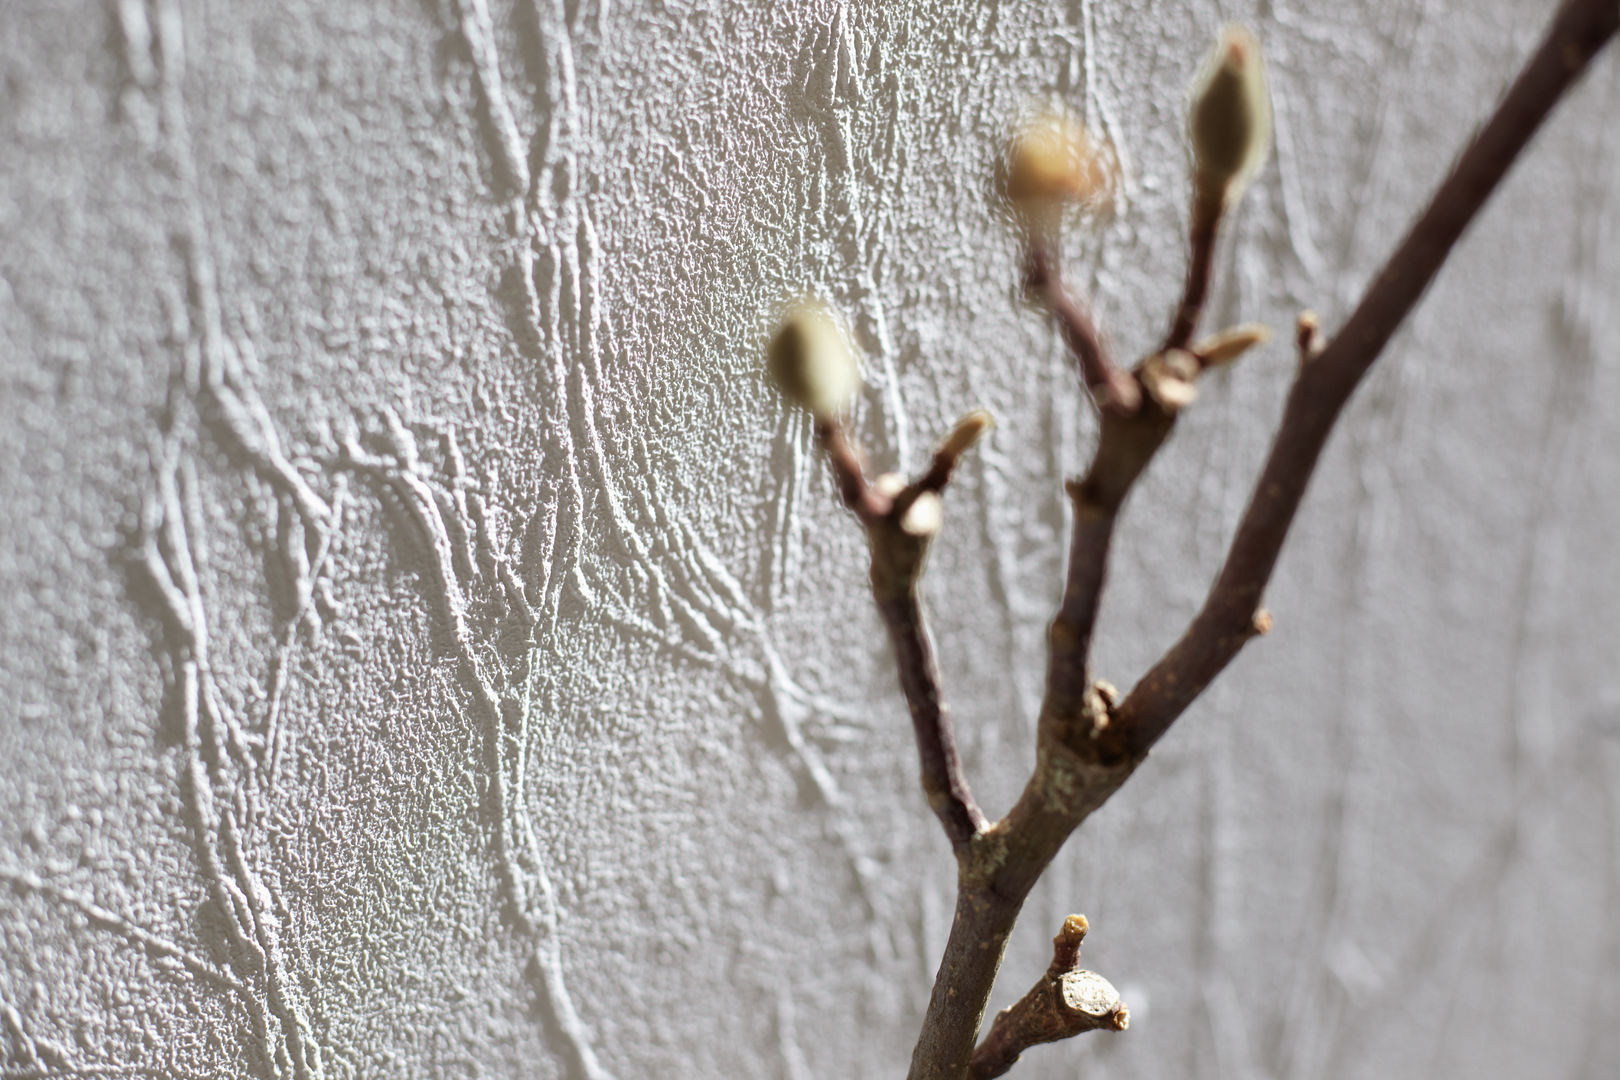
{"type": "Point", "coordinates": [430, 648]}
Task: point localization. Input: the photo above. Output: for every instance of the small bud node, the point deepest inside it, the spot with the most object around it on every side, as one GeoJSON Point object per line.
{"type": "Point", "coordinates": [1074, 930]}
{"type": "Point", "coordinates": [1308, 334]}
{"type": "Point", "coordinates": [890, 485]}
{"type": "Point", "coordinates": [924, 516]}
{"type": "Point", "coordinates": [1169, 379]}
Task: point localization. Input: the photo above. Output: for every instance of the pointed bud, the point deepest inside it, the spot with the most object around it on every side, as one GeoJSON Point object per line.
{"type": "Point", "coordinates": [1052, 163]}
{"type": "Point", "coordinates": [810, 360]}
{"type": "Point", "coordinates": [1229, 344]}
{"type": "Point", "coordinates": [1230, 119]}
{"type": "Point", "coordinates": [967, 431]}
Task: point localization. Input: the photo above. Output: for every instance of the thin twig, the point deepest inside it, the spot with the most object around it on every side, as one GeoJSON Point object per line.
{"type": "Point", "coordinates": [900, 523]}
{"type": "Point", "coordinates": [943, 780]}
{"type": "Point", "coordinates": [1206, 222]}
{"type": "Point", "coordinates": [1230, 616]}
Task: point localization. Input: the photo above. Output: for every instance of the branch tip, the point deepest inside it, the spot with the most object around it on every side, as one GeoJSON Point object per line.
{"type": "Point", "coordinates": [967, 432]}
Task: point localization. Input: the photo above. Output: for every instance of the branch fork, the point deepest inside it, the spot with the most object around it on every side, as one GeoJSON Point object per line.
{"type": "Point", "coordinates": [901, 520]}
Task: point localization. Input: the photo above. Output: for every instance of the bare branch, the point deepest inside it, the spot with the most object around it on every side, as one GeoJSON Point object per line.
{"type": "Point", "coordinates": [1111, 389]}
{"type": "Point", "coordinates": [1065, 1002]}
{"type": "Point", "coordinates": [1229, 616]}
{"type": "Point", "coordinates": [901, 521]}
{"type": "Point", "coordinates": [1088, 745]}
{"type": "Point", "coordinates": [1206, 223]}
{"type": "Point", "coordinates": [847, 469]}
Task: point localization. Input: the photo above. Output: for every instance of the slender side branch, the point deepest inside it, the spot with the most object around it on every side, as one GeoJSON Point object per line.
{"type": "Point", "coordinates": [900, 522]}
{"type": "Point", "coordinates": [1111, 389]}
{"type": "Point", "coordinates": [1206, 221]}
{"type": "Point", "coordinates": [1326, 381]}
{"type": "Point", "coordinates": [1065, 1002]}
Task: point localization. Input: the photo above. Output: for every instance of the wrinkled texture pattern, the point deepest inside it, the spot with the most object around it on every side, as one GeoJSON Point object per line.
{"type": "Point", "coordinates": [431, 649]}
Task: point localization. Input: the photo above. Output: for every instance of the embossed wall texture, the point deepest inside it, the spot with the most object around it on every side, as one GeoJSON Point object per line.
{"type": "Point", "coordinates": [429, 648]}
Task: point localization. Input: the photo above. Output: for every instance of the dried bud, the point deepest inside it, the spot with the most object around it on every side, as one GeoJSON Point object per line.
{"type": "Point", "coordinates": [1231, 343]}
{"type": "Point", "coordinates": [967, 431]}
{"type": "Point", "coordinates": [810, 360]}
{"type": "Point", "coordinates": [1230, 119]}
{"type": "Point", "coordinates": [1170, 377]}
{"type": "Point", "coordinates": [1053, 163]}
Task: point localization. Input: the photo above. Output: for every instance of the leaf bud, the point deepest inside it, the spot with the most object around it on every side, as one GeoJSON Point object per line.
{"type": "Point", "coordinates": [1231, 343]}
{"type": "Point", "coordinates": [810, 360]}
{"type": "Point", "coordinates": [1052, 163]}
{"type": "Point", "coordinates": [1230, 119]}
{"type": "Point", "coordinates": [967, 431]}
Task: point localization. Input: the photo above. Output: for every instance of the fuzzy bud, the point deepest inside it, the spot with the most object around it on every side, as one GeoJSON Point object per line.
{"type": "Point", "coordinates": [1051, 164]}
{"type": "Point", "coordinates": [810, 360]}
{"type": "Point", "coordinates": [1230, 119]}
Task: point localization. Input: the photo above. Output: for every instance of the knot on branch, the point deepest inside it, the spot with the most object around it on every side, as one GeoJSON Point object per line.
{"type": "Point", "coordinates": [1065, 1002]}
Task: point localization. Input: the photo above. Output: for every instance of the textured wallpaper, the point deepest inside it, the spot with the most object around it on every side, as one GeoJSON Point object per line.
{"type": "Point", "coordinates": [431, 650]}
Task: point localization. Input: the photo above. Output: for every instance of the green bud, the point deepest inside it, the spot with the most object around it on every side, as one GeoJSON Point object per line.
{"type": "Point", "coordinates": [810, 361]}
{"type": "Point", "coordinates": [1230, 119]}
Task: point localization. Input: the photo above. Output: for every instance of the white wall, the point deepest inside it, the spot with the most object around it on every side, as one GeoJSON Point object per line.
{"type": "Point", "coordinates": [328, 331]}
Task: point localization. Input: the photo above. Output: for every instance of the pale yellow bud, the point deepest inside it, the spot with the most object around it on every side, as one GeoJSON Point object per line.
{"type": "Point", "coordinates": [810, 360]}
{"type": "Point", "coordinates": [1052, 163]}
{"type": "Point", "coordinates": [1230, 119]}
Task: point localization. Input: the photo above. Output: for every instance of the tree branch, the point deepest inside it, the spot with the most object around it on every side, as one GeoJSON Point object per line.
{"type": "Point", "coordinates": [1231, 613]}
{"type": "Point", "coordinates": [901, 521]}
{"type": "Point", "coordinates": [1206, 222]}
{"type": "Point", "coordinates": [1089, 743]}
{"type": "Point", "coordinates": [1087, 746]}
{"type": "Point", "coordinates": [1111, 389]}
{"type": "Point", "coordinates": [1065, 1002]}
